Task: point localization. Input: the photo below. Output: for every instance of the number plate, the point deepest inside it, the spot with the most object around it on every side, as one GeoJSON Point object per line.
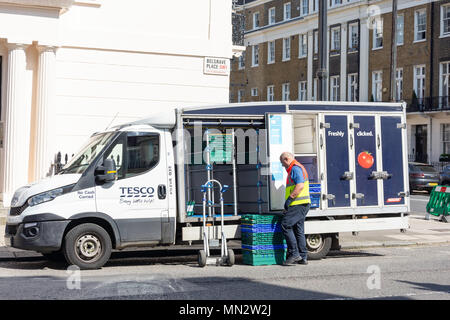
{"type": "Point", "coordinates": [432, 184]}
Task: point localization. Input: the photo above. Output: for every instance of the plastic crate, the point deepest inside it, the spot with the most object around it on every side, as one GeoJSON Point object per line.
{"type": "Point", "coordinates": [261, 228]}
{"type": "Point", "coordinates": [314, 187]}
{"type": "Point", "coordinates": [315, 200]}
{"type": "Point", "coordinates": [249, 238]}
{"type": "Point", "coordinates": [250, 219]}
{"type": "Point", "coordinates": [263, 257]}
{"type": "Point", "coordinates": [264, 247]}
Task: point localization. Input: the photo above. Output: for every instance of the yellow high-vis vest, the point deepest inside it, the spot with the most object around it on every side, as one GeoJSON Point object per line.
{"type": "Point", "coordinates": [303, 197]}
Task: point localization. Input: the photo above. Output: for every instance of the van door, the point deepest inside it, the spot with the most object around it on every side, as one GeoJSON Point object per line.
{"type": "Point", "coordinates": [392, 154]}
{"type": "Point", "coordinates": [137, 200]}
{"type": "Point", "coordinates": [337, 161]}
{"type": "Point", "coordinates": [365, 161]}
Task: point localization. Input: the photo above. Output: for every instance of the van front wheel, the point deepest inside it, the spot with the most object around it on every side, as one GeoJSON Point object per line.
{"type": "Point", "coordinates": [87, 246]}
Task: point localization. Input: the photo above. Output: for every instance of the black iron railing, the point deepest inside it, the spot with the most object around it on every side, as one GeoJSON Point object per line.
{"type": "Point", "coordinates": [441, 103]}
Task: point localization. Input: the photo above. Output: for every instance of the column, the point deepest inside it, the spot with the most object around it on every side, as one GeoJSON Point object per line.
{"type": "Point", "coordinates": [310, 65]}
{"type": "Point", "coordinates": [44, 151]}
{"type": "Point", "coordinates": [17, 123]}
{"type": "Point", "coordinates": [364, 61]}
{"type": "Point", "coordinates": [343, 76]}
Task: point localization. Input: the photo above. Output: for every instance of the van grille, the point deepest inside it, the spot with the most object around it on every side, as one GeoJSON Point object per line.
{"type": "Point", "coordinates": [18, 210]}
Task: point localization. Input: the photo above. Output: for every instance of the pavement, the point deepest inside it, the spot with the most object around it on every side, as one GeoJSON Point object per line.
{"type": "Point", "coordinates": [421, 232]}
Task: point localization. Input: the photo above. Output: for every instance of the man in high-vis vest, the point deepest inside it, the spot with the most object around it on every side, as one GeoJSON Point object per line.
{"type": "Point", "coordinates": [296, 206]}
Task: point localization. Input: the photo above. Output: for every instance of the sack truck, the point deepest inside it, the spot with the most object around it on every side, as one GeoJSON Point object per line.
{"type": "Point", "coordinates": [140, 184]}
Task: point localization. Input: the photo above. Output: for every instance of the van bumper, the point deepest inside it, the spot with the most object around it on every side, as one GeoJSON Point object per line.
{"type": "Point", "coordinates": [41, 236]}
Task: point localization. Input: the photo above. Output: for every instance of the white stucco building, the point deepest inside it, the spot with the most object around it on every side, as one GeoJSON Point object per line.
{"type": "Point", "coordinates": [70, 68]}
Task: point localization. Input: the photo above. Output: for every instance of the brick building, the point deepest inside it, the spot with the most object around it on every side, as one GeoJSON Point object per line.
{"type": "Point", "coordinates": [280, 60]}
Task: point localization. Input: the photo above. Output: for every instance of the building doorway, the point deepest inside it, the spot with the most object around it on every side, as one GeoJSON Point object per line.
{"type": "Point", "coordinates": [421, 144]}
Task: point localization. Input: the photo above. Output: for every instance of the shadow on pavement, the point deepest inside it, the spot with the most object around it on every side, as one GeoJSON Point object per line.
{"type": "Point", "coordinates": [149, 257]}
{"type": "Point", "coordinates": [428, 286]}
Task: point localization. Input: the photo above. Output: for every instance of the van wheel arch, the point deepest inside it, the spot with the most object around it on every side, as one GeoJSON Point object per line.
{"type": "Point", "coordinates": [98, 219]}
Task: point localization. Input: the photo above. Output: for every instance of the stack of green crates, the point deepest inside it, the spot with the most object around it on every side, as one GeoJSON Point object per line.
{"type": "Point", "coordinates": [262, 240]}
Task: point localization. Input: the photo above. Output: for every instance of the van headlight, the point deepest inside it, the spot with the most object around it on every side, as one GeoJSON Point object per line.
{"type": "Point", "coordinates": [49, 195]}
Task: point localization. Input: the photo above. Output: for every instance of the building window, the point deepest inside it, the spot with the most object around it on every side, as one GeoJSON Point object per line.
{"type": "Point", "coordinates": [419, 82]}
{"type": "Point", "coordinates": [302, 91]}
{"type": "Point", "coordinates": [378, 34]}
{"type": "Point", "coordinates": [334, 3]}
{"type": "Point", "coordinates": [335, 39]}
{"type": "Point", "coordinates": [400, 29]}
{"type": "Point", "coordinates": [272, 15]}
{"type": "Point", "coordinates": [304, 7]}
{"type": "Point", "coordinates": [270, 93]}
{"type": "Point", "coordinates": [316, 43]}
{"type": "Point", "coordinates": [287, 11]}
{"type": "Point", "coordinates": [445, 134]}
{"type": "Point", "coordinates": [271, 52]}
{"type": "Point", "coordinates": [399, 84]}
{"type": "Point", "coordinates": [286, 49]}
{"type": "Point", "coordinates": [240, 95]}
{"type": "Point", "coordinates": [254, 92]}
{"type": "Point", "coordinates": [420, 25]}
{"type": "Point", "coordinates": [256, 20]}
{"type": "Point", "coordinates": [303, 46]}
{"type": "Point", "coordinates": [335, 91]}
{"type": "Point", "coordinates": [255, 55]}
{"type": "Point", "coordinates": [377, 85]}
{"type": "Point", "coordinates": [241, 63]}
{"type": "Point", "coordinates": [285, 91]}
{"type": "Point", "coordinates": [444, 88]}
{"type": "Point", "coordinates": [315, 86]}
{"type": "Point", "coordinates": [445, 20]}
{"type": "Point", "coordinates": [353, 87]}
{"type": "Point", "coordinates": [315, 5]}
{"type": "Point", "coordinates": [353, 38]}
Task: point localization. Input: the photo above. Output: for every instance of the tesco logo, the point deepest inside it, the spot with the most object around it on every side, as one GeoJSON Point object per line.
{"type": "Point", "coordinates": [136, 192]}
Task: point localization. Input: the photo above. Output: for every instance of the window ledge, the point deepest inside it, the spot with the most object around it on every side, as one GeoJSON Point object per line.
{"type": "Point", "coordinates": [419, 41]}
{"type": "Point", "coordinates": [90, 3]}
{"type": "Point", "coordinates": [40, 3]}
{"type": "Point", "coordinates": [379, 48]}
{"type": "Point", "coordinates": [303, 57]}
{"type": "Point", "coordinates": [445, 35]}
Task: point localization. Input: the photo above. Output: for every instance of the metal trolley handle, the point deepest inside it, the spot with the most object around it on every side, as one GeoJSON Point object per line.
{"type": "Point", "coordinates": [223, 188]}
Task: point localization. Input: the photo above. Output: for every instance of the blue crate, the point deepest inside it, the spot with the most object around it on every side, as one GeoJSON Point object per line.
{"type": "Point", "coordinates": [315, 200]}
{"type": "Point", "coordinates": [314, 187]}
{"type": "Point", "coordinates": [261, 228]}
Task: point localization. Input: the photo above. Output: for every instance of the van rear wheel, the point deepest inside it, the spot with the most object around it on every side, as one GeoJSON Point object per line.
{"type": "Point", "coordinates": [318, 245]}
{"type": "Point", "coordinates": [87, 246]}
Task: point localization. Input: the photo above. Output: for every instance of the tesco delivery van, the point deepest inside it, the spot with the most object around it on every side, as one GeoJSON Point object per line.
{"type": "Point", "coordinates": [139, 184]}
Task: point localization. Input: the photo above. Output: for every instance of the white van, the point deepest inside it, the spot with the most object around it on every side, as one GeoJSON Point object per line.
{"type": "Point", "coordinates": [139, 184]}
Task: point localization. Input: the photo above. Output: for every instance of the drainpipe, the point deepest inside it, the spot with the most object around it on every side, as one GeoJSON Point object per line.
{"type": "Point", "coordinates": [432, 53]}
{"type": "Point", "coordinates": [431, 78]}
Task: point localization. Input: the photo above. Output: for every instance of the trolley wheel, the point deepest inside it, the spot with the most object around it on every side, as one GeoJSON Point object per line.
{"type": "Point", "coordinates": [202, 258]}
{"type": "Point", "coordinates": [230, 257]}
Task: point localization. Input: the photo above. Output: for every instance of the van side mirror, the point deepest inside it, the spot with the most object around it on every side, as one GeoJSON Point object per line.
{"type": "Point", "coordinates": [106, 172]}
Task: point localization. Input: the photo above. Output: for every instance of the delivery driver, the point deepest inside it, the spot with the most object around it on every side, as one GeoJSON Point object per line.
{"type": "Point", "coordinates": [296, 206]}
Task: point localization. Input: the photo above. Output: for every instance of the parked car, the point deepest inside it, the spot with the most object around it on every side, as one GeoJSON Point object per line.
{"type": "Point", "coordinates": [422, 176]}
{"type": "Point", "coordinates": [445, 176]}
